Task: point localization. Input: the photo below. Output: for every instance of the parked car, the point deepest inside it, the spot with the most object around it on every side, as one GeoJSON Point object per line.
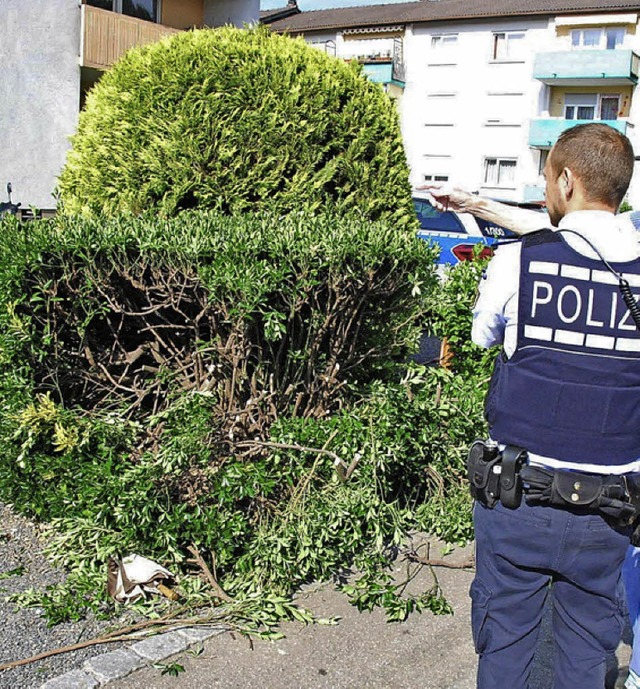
{"type": "Point", "coordinates": [457, 234]}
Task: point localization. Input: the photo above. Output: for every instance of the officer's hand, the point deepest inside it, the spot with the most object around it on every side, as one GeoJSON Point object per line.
{"type": "Point", "coordinates": [445, 197]}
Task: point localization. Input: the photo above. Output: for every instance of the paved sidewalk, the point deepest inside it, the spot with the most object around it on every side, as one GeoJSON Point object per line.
{"type": "Point", "coordinates": [362, 652]}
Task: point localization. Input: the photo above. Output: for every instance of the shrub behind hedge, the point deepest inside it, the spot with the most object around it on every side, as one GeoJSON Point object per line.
{"type": "Point", "coordinates": [237, 120]}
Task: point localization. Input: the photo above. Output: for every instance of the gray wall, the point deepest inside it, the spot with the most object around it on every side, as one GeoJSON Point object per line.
{"type": "Point", "coordinates": [39, 94]}
{"type": "Point", "coordinates": [238, 12]}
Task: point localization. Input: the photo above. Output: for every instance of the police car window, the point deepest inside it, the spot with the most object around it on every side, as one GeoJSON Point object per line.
{"type": "Point", "coordinates": [432, 219]}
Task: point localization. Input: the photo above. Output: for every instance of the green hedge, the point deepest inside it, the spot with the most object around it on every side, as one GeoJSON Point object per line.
{"type": "Point", "coordinates": [237, 120]}
{"type": "Point", "coordinates": [245, 472]}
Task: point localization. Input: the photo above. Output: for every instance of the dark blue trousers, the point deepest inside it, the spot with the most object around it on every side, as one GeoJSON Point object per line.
{"type": "Point", "coordinates": [526, 554]}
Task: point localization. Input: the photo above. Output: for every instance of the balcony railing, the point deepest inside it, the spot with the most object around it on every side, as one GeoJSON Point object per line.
{"type": "Point", "coordinates": [587, 67]}
{"type": "Point", "coordinates": [106, 36]}
{"type": "Point", "coordinates": [385, 67]}
{"type": "Point", "coordinates": [543, 133]}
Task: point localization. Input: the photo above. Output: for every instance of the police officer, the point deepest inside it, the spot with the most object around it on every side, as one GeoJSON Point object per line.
{"type": "Point", "coordinates": [521, 221]}
{"type": "Point", "coordinates": [565, 390]}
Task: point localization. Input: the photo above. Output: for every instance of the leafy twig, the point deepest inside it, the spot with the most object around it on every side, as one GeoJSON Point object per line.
{"type": "Point", "coordinates": [199, 560]}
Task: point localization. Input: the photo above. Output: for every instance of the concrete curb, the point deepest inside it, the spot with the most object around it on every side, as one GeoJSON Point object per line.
{"type": "Point", "coordinates": [113, 665]}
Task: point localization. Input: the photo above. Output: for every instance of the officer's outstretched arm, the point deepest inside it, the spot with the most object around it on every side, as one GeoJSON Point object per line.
{"type": "Point", "coordinates": [518, 220]}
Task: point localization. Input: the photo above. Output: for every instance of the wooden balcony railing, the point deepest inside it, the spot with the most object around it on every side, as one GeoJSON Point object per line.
{"type": "Point", "coordinates": [106, 36]}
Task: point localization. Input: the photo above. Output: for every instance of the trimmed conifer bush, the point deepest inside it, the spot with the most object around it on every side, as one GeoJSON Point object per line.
{"type": "Point", "coordinates": [237, 120]}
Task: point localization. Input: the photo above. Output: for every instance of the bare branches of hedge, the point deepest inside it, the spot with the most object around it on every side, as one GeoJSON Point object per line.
{"type": "Point", "coordinates": [127, 327]}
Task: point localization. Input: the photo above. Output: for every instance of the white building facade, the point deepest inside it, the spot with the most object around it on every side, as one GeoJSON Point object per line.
{"type": "Point", "coordinates": [483, 99]}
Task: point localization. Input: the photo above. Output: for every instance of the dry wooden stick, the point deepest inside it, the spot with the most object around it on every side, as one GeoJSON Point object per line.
{"type": "Point", "coordinates": [290, 446]}
{"type": "Point", "coordinates": [344, 471]}
{"type": "Point", "coordinates": [59, 651]}
{"type": "Point", "coordinates": [123, 634]}
{"type": "Point", "coordinates": [465, 564]}
{"type": "Point", "coordinates": [199, 560]}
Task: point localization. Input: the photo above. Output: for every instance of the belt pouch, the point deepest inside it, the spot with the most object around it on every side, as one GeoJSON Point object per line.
{"type": "Point", "coordinates": [510, 484]}
{"type": "Point", "coordinates": [570, 488]}
{"type": "Point", "coordinates": [484, 482]}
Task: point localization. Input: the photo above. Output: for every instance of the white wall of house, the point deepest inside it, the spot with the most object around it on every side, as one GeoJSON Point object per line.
{"type": "Point", "coordinates": [39, 95]}
{"type": "Point", "coordinates": [468, 102]}
{"type": "Point", "coordinates": [237, 12]}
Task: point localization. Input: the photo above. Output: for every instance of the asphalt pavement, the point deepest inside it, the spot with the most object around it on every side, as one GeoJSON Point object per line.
{"type": "Point", "coordinates": [363, 651]}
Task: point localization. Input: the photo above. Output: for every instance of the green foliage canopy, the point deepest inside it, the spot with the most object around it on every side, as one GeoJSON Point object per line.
{"type": "Point", "coordinates": [237, 120]}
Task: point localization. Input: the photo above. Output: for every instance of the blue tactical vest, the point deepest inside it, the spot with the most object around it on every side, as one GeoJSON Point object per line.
{"type": "Point", "coordinates": [571, 390]}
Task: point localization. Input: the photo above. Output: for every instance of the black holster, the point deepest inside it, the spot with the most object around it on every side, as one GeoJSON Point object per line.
{"type": "Point", "coordinates": [495, 475]}
{"type": "Point", "coordinates": [483, 472]}
{"type": "Point", "coordinates": [513, 458]}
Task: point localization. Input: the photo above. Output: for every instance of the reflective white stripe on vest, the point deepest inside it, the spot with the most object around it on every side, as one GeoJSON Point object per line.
{"type": "Point", "coordinates": [604, 277]}
{"type": "Point", "coordinates": [568, 337]}
{"type": "Point", "coordinates": [608, 278]}
{"type": "Point", "coordinates": [579, 273]}
{"type": "Point", "coordinates": [575, 272]}
{"type": "Point", "coordinates": [544, 267]}
{"type": "Point", "coordinates": [600, 342]}
{"type": "Point", "coordinates": [536, 332]}
{"type": "Point", "coordinates": [620, 344]}
{"type": "Point", "coordinates": [625, 344]}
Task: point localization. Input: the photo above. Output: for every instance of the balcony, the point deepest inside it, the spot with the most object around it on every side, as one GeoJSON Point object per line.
{"type": "Point", "coordinates": [587, 68]}
{"type": "Point", "coordinates": [543, 133]}
{"type": "Point", "coordinates": [383, 70]}
{"type": "Point", "coordinates": [106, 36]}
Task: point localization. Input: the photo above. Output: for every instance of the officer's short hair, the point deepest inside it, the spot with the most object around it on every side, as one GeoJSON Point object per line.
{"type": "Point", "coordinates": [600, 156]}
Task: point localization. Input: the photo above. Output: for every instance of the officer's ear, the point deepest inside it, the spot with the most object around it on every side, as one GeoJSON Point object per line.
{"type": "Point", "coordinates": [567, 183]}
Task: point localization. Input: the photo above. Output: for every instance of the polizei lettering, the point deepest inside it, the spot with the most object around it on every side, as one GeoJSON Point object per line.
{"type": "Point", "coordinates": [584, 306]}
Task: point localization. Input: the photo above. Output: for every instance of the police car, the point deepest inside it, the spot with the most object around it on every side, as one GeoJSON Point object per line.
{"type": "Point", "coordinates": [457, 234]}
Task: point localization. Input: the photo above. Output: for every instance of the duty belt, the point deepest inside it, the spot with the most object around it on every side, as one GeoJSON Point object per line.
{"type": "Point", "coordinates": [504, 475]}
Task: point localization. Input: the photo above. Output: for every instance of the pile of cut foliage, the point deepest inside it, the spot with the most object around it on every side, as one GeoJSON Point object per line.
{"type": "Point", "coordinates": [234, 378]}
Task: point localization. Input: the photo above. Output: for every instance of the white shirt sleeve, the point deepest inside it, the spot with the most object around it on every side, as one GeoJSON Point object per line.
{"type": "Point", "coordinates": [496, 309]}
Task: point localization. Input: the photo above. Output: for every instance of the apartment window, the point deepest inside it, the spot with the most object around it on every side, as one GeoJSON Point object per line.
{"type": "Point", "coordinates": [608, 38]}
{"type": "Point", "coordinates": [328, 47]}
{"type": "Point", "coordinates": [591, 106]}
{"type": "Point", "coordinates": [500, 172]}
{"type": "Point", "coordinates": [586, 38]}
{"type": "Point", "coordinates": [609, 107]}
{"type": "Point", "coordinates": [508, 45]}
{"type": "Point", "coordinates": [580, 106]}
{"type": "Point", "coordinates": [613, 38]}
{"type": "Point", "coordinates": [141, 9]}
{"type": "Point", "coordinates": [445, 42]}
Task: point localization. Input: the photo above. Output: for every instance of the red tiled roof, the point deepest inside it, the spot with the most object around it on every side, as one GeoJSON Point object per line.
{"type": "Point", "coordinates": [443, 10]}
